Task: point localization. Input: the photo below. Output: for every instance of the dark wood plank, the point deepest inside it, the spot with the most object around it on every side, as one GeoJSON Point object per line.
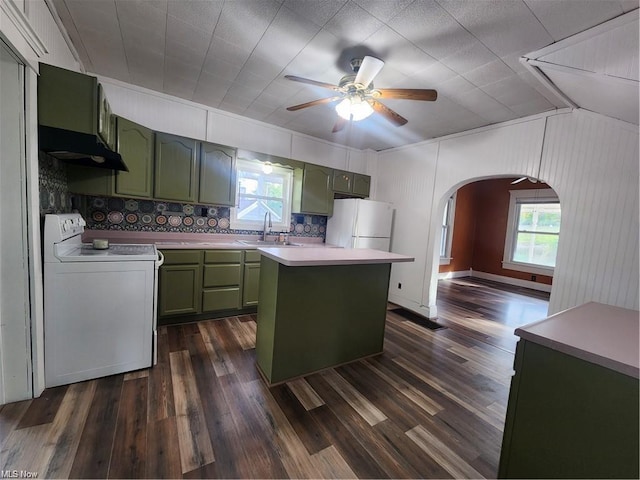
{"type": "Point", "coordinates": [161, 404]}
{"type": "Point", "coordinates": [162, 454]}
{"type": "Point", "coordinates": [303, 423]}
{"type": "Point", "coordinates": [130, 443]}
{"type": "Point", "coordinates": [94, 451]}
{"type": "Point", "coordinates": [44, 408]}
{"type": "Point", "coordinates": [331, 421]}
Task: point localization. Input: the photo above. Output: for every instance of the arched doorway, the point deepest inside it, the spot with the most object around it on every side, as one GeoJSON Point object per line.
{"type": "Point", "coordinates": [501, 231]}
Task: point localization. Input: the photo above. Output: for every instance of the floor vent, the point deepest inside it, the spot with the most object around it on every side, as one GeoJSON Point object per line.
{"type": "Point", "coordinates": [417, 319]}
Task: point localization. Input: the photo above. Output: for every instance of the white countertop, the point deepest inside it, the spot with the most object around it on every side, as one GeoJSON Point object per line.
{"type": "Point", "coordinates": [306, 257]}
{"type": "Point", "coordinates": [594, 332]}
{"type": "Point", "coordinates": [177, 240]}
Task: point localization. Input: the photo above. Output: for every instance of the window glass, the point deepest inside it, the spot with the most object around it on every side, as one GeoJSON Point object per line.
{"type": "Point", "coordinates": [262, 194]}
{"type": "Point", "coordinates": [533, 231]}
{"type": "Point", "coordinates": [537, 233]}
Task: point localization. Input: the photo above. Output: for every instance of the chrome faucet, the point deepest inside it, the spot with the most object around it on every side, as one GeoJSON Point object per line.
{"type": "Point", "coordinates": [264, 228]}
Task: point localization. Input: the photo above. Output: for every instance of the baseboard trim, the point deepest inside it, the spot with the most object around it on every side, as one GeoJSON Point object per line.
{"type": "Point", "coordinates": [542, 287]}
{"type": "Point", "coordinates": [459, 274]}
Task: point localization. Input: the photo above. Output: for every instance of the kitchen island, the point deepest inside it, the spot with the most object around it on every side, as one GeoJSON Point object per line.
{"type": "Point", "coordinates": [573, 404]}
{"type": "Point", "coordinates": [320, 307]}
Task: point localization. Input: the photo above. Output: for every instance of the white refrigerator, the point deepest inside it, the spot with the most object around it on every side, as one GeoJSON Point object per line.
{"type": "Point", "coordinates": [358, 223]}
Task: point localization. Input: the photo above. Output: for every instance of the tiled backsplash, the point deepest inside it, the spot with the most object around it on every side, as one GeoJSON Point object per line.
{"type": "Point", "coordinates": [136, 215]}
{"type": "Point", "coordinates": [114, 213]}
{"type": "Point", "coordinates": [54, 192]}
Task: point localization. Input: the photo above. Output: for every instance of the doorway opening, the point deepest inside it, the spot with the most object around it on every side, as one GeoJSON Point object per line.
{"type": "Point", "coordinates": [498, 245]}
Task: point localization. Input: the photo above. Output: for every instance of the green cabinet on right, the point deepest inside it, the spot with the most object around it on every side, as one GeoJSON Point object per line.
{"type": "Point", "coordinates": [573, 403]}
{"type": "Point", "coordinates": [350, 184]}
{"type": "Point", "coordinates": [361, 185]}
{"type": "Point", "coordinates": [176, 168]}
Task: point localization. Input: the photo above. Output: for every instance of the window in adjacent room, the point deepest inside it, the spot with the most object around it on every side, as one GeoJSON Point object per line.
{"type": "Point", "coordinates": [258, 192]}
{"type": "Point", "coordinates": [447, 230]}
{"type": "Point", "coordinates": [533, 231]}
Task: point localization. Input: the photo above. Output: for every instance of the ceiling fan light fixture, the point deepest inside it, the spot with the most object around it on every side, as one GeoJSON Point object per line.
{"type": "Point", "coordinates": [354, 108]}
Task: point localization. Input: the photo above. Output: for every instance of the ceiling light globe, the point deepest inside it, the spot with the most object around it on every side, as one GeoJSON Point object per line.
{"type": "Point", "coordinates": [354, 108]}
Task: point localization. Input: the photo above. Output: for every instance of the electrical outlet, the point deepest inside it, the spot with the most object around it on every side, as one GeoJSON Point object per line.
{"type": "Point", "coordinates": [399, 286]}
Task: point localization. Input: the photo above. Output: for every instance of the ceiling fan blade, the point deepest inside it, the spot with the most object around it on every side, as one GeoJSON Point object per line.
{"type": "Point", "coordinates": [311, 82]}
{"type": "Point", "coordinates": [340, 124]}
{"type": "Point", "coordinates": [408, 94]}
{"type": "Point", "coordinates": [370, 67]}
{"type": "Point", "coordinates": [387, 113]}
{"type": "Point", "coordinates": [313, 103]}
{"type": "Point", "coordinates": [521, 179]}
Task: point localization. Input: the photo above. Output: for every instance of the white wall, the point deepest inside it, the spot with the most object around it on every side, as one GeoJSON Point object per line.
{"type": "Point", "coordinates": [591, 161]}
{"type": "Point", "coordinates": [165, 113]}
{"type": "Point", "coordinates": [32, 34]}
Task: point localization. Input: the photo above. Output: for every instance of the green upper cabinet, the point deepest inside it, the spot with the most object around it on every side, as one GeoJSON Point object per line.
{"type": "Point", "coordinates": [67, 100]}
{"type": "Point", "coordinates": [217, 174]}
{"type": "Point", "coordinates": [313, 192]}
{"type": "Point", "coordinates": [342, 181]}
{"type": "Point", "coordinates": [361, 185]}
{"type": "Point", "coordinates": [135, 144]}
{"type": "Point", "coordinates": [176, 168]}
{"type": "Point", "coordinates": [105, 124]}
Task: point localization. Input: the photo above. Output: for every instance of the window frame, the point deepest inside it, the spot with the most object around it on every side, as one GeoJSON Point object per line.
{"type": "Point", "coordinates": [256, 166]}
{"type": "Point", "coordinates": [450, 209]}
{"type": "Point", "coordinates": [517, 197]}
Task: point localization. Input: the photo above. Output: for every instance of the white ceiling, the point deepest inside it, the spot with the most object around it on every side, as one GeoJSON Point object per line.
{"type": "Point", "coordinates": [233, 55]}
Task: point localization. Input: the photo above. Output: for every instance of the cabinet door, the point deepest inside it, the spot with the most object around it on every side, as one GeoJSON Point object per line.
{"type": "Point", "coordinates": [251, 284]}
{"type": "Point", "coordinates": [176, 168]}
{"type": "Point", "coordinates": [104, 118]}
{"type": "Point", "coordinates": [317, 195]}
{"type": "Point", "coordinates": [67, 100]}
{"type": "Point", "coordinates": [361, 185]}
{"type": "Point", "coordinates": [135, 144]}
{"type": "Point", "coordinates": [217, 174]}
{"type": "Point", "coordinates": [179, 289]}
{"type": "Point", "coordinates": [342, 181]}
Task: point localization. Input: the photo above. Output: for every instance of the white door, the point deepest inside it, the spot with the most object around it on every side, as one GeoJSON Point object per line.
{"type": "Point", "coordinates": [374, 219]}
{"type": "Point", "coordinates": [15, 348]}
{"type": "Point", "coordinates": [377, 243]}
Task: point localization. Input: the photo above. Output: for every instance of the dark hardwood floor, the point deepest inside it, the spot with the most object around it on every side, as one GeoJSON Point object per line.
{"type": "Point", "coordinates": [431, 406]}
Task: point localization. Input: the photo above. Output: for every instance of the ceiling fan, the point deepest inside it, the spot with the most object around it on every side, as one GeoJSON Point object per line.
{"type": "Point", "coordinates": [522, 179]}
{"type": "Point", "coordinates": [357, 96]}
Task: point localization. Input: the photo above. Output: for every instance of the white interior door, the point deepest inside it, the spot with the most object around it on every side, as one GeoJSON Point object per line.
{"type": "Point", "coordinates": [15, 351]}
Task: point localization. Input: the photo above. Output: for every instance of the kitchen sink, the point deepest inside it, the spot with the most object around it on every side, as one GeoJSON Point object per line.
{"type": "Point", "coordinates": [268, 243]}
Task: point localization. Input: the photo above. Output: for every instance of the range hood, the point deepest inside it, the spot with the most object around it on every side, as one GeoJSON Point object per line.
{"type": "Point", "coordinates": [78, 148]}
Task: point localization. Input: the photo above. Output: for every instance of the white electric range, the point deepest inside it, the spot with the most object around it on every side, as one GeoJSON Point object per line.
{"type": "Point", "coordinates": [99, 305]}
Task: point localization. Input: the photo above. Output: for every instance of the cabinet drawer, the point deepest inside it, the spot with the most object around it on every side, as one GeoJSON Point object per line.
{"type": "Point", "coordinates": [221, 299]}
{"type": "Point", "coordinates": [223, 256]}
{"type": "Point", "coordinates": [251, 256]}
{"type": "Point", "coordinates": [221, 275]}
{"type": "Point", "coordinates": [181, 257]}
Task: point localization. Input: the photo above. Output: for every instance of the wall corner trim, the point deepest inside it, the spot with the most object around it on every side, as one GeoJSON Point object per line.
{"type": "Point", "coordinates": [21, 23]}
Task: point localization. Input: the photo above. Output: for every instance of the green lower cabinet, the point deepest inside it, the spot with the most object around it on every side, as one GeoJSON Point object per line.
{"type": "Point", "coordinates": [251, 284]}
{"type": "Point", "coordinates": [315, 317]}
{"type": "Point", "coordinates": [221, 280]}
{"type": "Point", "coordinates": [569, 418]}
{"type": "Point", "coordinates": [179, 290]}
{"type": "Point", "coordinates": [226, 298]}
{"type": "Point", "coordinates": [194, 283]}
